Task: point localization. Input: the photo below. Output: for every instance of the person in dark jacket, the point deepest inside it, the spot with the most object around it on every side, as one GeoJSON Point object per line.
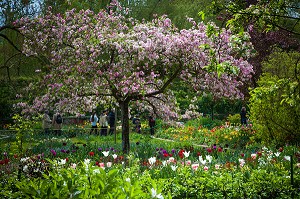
{"type": "Point", "coordinates": [243, 116]}
{"type": "Point", "coordinates": [137, 124]}
{"type": "Point", "coordinates": [94, 119]}
{"type": "Point", "coordinates": [151, 122]}
{"type": "Point", "coordinates": [57, 123]}
{"type": "Point", "coordinates": [111, 121]}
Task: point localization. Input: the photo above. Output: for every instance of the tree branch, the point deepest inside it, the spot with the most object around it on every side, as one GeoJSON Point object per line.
{"type": "Point", "coordinates": [167, 83]}
{"type": "Point", "coordinates": [9, 27]}
{"type": "Point", "coordinates": [9, 41]}
{"type": "Point", "coordinates": [285, 29]}
{"type": "Point", "coordinates": [5, 64]}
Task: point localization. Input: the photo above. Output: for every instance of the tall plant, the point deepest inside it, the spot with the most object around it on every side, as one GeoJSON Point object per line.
{"type": "Point", "coordinates": [23, 127]}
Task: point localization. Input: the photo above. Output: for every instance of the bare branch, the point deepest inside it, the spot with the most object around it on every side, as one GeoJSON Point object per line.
{"type": "Point", "coordinates": [9, 41]}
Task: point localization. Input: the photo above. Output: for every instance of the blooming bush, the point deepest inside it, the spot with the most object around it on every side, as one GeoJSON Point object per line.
{"type": "Point", "coordinates": [87, 170]}
{"type": "Point", "coordinates": [231, 136]}
{"type": "Point", "coordinates": [88, 166]}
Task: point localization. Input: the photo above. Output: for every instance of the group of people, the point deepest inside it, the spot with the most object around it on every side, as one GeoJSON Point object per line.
{"type": "Point", "coordinates": [107, 119]}
{"type": "Point", "coordinates": [104, 120]}
{"type": "Point", "coordinates": [55, 123]}
{"type": "Point", "coordinates": [137, 124]}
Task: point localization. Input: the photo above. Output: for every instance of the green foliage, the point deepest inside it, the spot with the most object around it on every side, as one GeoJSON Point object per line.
{"type": "Point", "coordinates": [23, 128]}
{"type": "Point", "coordinates": [8, 91]}
{"type": "Point", "coordinates": [266, 176]}
{"type": "Point", "coordinates": [86, 181]}
{"type": "Point", "coordinates": [234, 119]}
{"type": "Point", "coordinates": [59, 6]}
{"type": "Point", "coordinates": [194, 133]}
{"type": "Point", "coordinates": [219, 107]}
{"type": "Point", "coordinates": [206, 122]}
{"type": "Point", "coordinates": [177, 11]}
{"type": "Point", "coordinates": [264, 15]}
{"type": "Point", "coordinates": [275, 104]}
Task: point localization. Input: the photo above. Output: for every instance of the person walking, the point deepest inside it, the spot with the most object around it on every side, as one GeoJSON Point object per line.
{"type": "Point", "coordinates": [57, 123]}
{"type": "Point", "coordinates": [111, 119]}
{"type": "Point", "coordinates": [94, 119]}
{"type": "Point", "coordinates": [151, 123]}
{"type": "Point", "coordinates": [46, 122]}
{"type": "Point", "coordinates": [137, 124]}
{"type": "Point", "coordinates": [103, 123]}
{"type": "Point", "coordinates": [243, 116]}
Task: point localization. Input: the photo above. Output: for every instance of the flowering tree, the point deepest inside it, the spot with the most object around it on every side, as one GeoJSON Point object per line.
{"type": "Point", "coordinates": [106, 57]}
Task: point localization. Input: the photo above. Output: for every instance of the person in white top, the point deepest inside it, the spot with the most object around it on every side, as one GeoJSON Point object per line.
{"type": "Point", "coordinates": [103, 123]}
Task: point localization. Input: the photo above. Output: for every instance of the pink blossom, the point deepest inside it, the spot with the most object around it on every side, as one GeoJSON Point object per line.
{"type": "Point", "coordinates": [253, 156]}
{"type": "Point", "coordinates": [105, 59]}
{"type": "Point", "coordinates": [109, 164]}
{"type": "Point", "coordinates": [172, 159]}
{"type": "Point", "coordinates": [195, 166]}
{"type": "Point", "coordinates": [102, 165]}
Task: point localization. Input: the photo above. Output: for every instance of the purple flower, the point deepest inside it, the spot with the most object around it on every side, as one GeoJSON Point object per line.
{"type": "Point", "coordinates": [173, 151]}
{"type": "Point", "coordinates": [99, 149]}
{"type": "Point", "coordinates": [53, 152]}
{"type": "Point", "coordinates": [5, 153]}
{"type": "Point", "coordinates": [111, 148]}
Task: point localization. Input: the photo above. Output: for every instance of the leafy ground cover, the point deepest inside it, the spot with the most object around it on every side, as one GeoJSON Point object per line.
{"type": "Point", "coordinates": [184, 162]}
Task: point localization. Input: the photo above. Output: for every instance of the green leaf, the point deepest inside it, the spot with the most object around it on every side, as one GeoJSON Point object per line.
{"type": "Point", "coordinates": [202, 15]}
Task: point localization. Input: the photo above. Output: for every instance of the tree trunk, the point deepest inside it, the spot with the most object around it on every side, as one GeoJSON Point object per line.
{"type": "Point", "coordinates": [125, 126]}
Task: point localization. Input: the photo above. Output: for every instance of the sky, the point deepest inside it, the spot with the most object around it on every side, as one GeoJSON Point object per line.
{"type": "Point", "coordinates": [10, 10]}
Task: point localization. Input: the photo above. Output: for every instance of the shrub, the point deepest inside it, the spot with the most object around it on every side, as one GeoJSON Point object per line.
{"type": "Point", "coordinates": [234, 119]}
{"type": "Point", "coordinates": [274, 104]}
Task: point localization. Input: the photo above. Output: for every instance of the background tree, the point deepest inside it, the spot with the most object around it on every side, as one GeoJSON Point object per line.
{"type": "Point", "coordinates": [104, 57]}
{"type": "Point", "coordinates": [176, 10]}
{"type": "Point", "coordinates": [275, 103]}
{"type": "Point", "coordinates": [269, 23]}
{"type": "Point", "coordinates": [60, 6]}
{"type": "Point", "coordinates": [16, 70]}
